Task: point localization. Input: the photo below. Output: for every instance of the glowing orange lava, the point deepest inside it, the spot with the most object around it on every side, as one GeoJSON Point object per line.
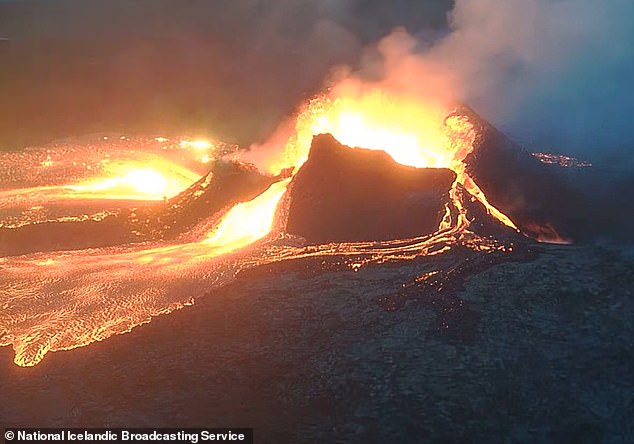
{"type": "Point", "coordinates": [201, 149]}
{"type": "Point", "coordinates": [128, 181]}
{"type": "Point", "coordinates": [119, 181]}
{"type": "Point", "coordinates": [412, 132]}
{"type": "Point", "coordinates": [248, 222]}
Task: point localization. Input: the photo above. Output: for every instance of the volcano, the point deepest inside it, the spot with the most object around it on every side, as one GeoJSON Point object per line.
{"type": "Point", "coordinates": [347, 194]}
{"type": "Point", "coordinates": [373, 278]}
{"type": "Point", "coordinates": [344, 194]}
{"type": "Point", "coordinates": [455, 188]}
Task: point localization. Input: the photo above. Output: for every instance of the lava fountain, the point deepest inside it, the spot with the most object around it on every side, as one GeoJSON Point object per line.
{"type": "Point", "coordinates": [412, 132]}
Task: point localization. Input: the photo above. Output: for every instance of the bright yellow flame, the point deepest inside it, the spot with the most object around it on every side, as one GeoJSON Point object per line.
{"type": "Point", "coordinates": [146, 181]}
{"type": "Point", "coordinates": [141, 180]}
{"type": "Point", "coordinates": [200, 149]}
{"type": "Point", "coordinates": [156, 179]}
{"type": "Point", "coordinates": [49, 261]}
{"type": "Point", "coordinates": [410, 131]}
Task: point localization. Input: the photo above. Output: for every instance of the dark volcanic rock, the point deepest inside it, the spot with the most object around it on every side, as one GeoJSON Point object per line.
{"type": "Point", "coordinates": [55, 236]}
{"type": "Point", "coordinates": [311, 358]}
{"type": "Point", "coordinates": [577, 203]}
{"type": "Point", "coordinates": [225, 185]}
{"type": "Point", "coordinates": [346, 194]}
{"type": "Point", "coordinates": [517, 183]}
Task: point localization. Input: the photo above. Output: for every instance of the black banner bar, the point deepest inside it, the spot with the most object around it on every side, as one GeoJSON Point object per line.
{"type": "Point", "coordinates": [130, 436]}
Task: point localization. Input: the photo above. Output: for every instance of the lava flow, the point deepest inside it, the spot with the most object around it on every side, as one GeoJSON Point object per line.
{"type": "Point", "coordinates": [63, 300]}
{"type": "Point", "coordinates": [98, 174]}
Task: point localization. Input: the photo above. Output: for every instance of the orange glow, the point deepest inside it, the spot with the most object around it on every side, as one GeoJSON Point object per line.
{"type": "Point", "coordinates": [201, 145]}
{"type": "Point", "coordinates": [248, 222]}
{"type": "Point", "coordinates": [412, 132]}
{"type": "Point", "coordinates": [143, 182]}
{"type": "Point", "coordinates": [201, 149]}
{"type": "Point", "coordinates": [125, 181]}
{"type": "Point", "coordinates": [407, 132]}
{"type": "Point", "coordinates": [129, 180]}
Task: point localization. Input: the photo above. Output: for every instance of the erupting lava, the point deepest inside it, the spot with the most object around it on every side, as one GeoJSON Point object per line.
{"type": "Point", "coordinates": [66, 300]}
{"type": "Point", "coordinates": [411, 132]}
{"type": "Point", "coordinates": [124, 181]}
{"type": "Point", "coordinates": [91, 171]}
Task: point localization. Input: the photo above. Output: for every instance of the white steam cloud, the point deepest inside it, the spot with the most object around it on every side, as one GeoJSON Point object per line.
{"type": "Point", "coordinates": [555, 74]}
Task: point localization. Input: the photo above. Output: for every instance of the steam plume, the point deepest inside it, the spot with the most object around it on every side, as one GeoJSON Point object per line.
{"type": "Point", "coordinates": [554, 74]}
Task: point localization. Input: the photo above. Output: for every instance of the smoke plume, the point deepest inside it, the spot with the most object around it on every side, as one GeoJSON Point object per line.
{"type": "Point", "coordinates": [553, 74]}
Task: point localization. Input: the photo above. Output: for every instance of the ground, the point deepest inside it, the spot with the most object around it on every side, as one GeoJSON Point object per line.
{"type": "Point", "coordinates": [306, 356]}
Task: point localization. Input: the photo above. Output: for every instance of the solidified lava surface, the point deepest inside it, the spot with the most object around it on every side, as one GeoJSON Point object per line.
{"type": "Point", "coordinates": [305, 354]}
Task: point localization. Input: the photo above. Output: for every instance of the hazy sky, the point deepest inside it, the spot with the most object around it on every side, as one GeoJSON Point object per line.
{"type": "Point", "coordinates": [552, 73]}
{"type": "Point", "coordinates": [228, 67]}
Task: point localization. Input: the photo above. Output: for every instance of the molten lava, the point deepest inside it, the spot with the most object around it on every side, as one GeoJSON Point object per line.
{"type": "Point", "coordinates": [66, 300]}
{"type": "Point", "coordinates": [248, 222]}
{"type": "Point", "coordinates": [123, 181]}
{"type": "Point", "coordinates": [411, 132]}
{"type": "Point", "coordinates": [97, 169]}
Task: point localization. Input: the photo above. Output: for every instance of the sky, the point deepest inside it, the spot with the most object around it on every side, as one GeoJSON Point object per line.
{"type": "Point", "coordinates": [553, 74]}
